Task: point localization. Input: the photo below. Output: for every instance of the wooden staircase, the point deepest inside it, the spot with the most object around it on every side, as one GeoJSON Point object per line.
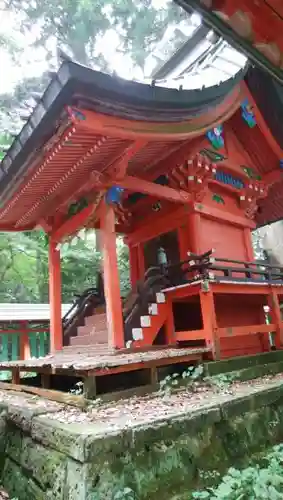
{"type": "Point", "coordinates": [94, 332]}
{"type": "Point", "coordinates": [145, 313]}
{"type": "Point", "coordinates": [151, 323]}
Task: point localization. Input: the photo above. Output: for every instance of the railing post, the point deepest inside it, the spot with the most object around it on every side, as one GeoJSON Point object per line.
{"type": "Point", "coordinates": [169, 324]}
{"type": "Point", "coordinates": [56, 331]}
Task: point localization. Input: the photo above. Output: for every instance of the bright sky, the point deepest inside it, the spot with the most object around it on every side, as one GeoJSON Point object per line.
{"type": "Point", "coordinates": [33, 61]}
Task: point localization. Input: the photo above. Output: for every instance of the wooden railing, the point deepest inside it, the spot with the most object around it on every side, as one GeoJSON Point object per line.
{"type": "Point", "coordinates": [82, 306]}
{"type": "Point", "coordinates": [138, 301]}
{"type": "Point", "coordinates": [205, 266]}
{"type": "Point", "coordinates": [16, 344]}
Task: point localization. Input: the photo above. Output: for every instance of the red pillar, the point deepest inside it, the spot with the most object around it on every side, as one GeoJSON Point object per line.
{"type": "Point", "coordinates": [194, 231]}
{"type": "Point", "coordinates": [24, 341]}
{"type": "Point", "coordinates": [182, 239]}
{"type": "Point", "coordinates": [56, 332]}
{"type": "Point", "coordinates": [111, 278]}
{"type": "Point", "coordinates": [210, 322]}
{"type": "Point", "coordinates": [249, 245]}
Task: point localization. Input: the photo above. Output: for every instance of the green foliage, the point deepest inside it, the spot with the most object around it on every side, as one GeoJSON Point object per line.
{"type": "Point", "coordinates": [24, 266]}
{"type": "Point", "coordinates": [259, 482]}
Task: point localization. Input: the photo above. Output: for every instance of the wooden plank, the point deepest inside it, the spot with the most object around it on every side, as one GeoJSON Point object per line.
{"type": "Point", "coordinates": [52, 395]}
{"type": "Point", "coordinates": [241, 288]}
{"type": "Point", "coordinates": [90, 387]}
{"type": "Point", "coordinates": [191, 335]}
{"type": "Point", "coordinates": [146, 364]}
{"type": "Point", "coordinates": [16, 376]}
{"type": "Point", "coordinates": [245, 330]}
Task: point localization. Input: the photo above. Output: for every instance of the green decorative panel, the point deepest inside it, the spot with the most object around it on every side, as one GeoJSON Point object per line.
{"type": "Point", "coordinates": [218, 199]}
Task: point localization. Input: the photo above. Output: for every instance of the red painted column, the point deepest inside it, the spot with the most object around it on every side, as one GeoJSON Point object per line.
{"type": "Point", "coordinates": [194, 223]}
{"type": "Point", "coordinates": [209, 320]}
{"type": "Point", "coordinates": [183, 242]}
{"type": "Point", "coordinates": [24, 341]}
{"type": "Point", "coordinates": [248, 244]}
{"type": "Point", "coordinates": [56, 332]}
{"type": "Point", "coordinates": [111, 278]}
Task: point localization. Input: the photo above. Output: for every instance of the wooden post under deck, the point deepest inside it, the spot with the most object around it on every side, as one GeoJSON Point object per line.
{"type": "Point", "coordinates": [111, 278]}
{"type": "Point", "coordinates": [56, 331]}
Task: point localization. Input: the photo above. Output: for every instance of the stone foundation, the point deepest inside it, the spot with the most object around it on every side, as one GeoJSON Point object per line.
{"type": "Point", "coordinates": [42, 458]}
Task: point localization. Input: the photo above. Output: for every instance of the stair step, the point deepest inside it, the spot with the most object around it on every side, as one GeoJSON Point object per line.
{"type": "Point", "coordinates": [160, 298]}
{"type": "Point", "coordinates": [96, 320]}
{"type": "Point", "coordinates": [145, 321]}
{"type": "Point", "coordinates": [91, 330]}
{"type": "Point", "coordinates": [87, 340]}
{"type": "Point", "coordinates": [86, 349]}
{"type": "Point", "coordinates": [153, 309]}
{"type": "Point", "coordinates": [137, 333]}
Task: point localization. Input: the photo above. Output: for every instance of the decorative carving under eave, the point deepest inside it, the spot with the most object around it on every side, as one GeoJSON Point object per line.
{"type": "Point", "coordinates": [123, 216]}
{"type": "Point", "coordinates": [249, 197]}
{"type": "Point", "coordinates": [193, 176]}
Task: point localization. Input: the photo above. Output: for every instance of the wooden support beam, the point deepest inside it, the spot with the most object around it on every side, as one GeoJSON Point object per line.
{"type": "Point", "coordinates": [169, 326]}
{"type": "Point", "coordinates": [210, 322]}
{"type": "Point", "coordinates": [275, 315]}
{"type": "Point", "coordinates": [60, 397]}
{"type": "Point", "coordinates": [111, 278]}
{"type": "Point", "coordinates": [217, 214]}
{"type": "Point", "coordinates": [152, 189]}
{"type": "Point", "coordinates": [11, 229]}
{"type": "Point", "coordinates": [56, 331]}
{"type": "Point", "coordinates": [73, 224]}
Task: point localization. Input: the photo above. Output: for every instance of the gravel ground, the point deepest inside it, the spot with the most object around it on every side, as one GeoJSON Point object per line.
{"type": "Point", "coordinates": [140, 410]}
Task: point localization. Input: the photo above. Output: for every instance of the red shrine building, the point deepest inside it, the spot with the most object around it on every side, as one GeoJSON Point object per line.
{"type": "Point", "coordinates": [185, 176]}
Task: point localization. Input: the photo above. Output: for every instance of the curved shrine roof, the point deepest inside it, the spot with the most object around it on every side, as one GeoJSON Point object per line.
{"type": "Point", "coordinates": [87, 121]}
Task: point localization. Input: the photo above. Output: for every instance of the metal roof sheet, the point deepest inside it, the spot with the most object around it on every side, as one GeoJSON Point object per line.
{"type": "Point", "coordinates": [28, 312]}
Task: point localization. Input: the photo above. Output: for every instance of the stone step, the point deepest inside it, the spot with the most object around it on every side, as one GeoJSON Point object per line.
{"type": "Point", "coordinates": [87, 340]}
{"type": "Point", "coordinates": [86, 350]}
{"type": "Point", "coordinates": [91, 330]}
{"type": "Point", "coordinates": [96, 319]}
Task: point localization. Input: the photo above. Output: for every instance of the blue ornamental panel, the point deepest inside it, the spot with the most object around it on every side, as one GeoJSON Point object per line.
{"type": "Point", "coordinates": [229, 179]}
{"type": "Point", "coordinates": [215, 136]}
{"type": "Point", "coordinates": [247, 114]}
{"type": "Point", "coordinates": [114, 195]}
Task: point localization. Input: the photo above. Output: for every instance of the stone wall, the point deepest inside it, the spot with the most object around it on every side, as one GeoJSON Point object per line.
{"type": "Point", "coordinates": [41, 458]}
